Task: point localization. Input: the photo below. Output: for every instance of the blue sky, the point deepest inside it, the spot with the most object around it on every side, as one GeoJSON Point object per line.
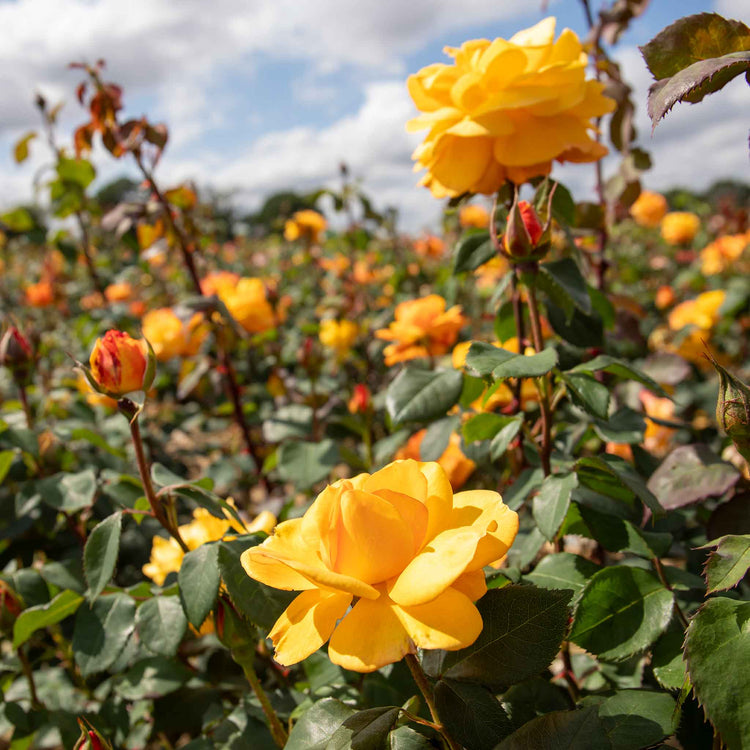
{"type": "Point", "coordinates": [261, 95]}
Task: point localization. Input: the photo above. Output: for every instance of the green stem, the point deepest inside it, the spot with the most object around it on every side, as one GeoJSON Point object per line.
{"type": "Point", "coordinates": [148, 487]}
{"type": "Point", "coordinates": [29, 674]}
{"type": "Point", "coordinates": [26, 406]}
{"type": "Point", "coordinates": [278, 732]}
{"type": "Point", "coordinates": [424, 687]}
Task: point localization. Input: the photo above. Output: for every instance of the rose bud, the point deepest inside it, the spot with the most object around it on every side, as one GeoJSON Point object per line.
{"type": "Point", "coordinates": [526, 238]}
{"type": "Point", "coordinates": [361, 399]}
{"type": "Point", "coordinates": [16, 353]}
{"type": "Point", "coordinates": [10, 607]}
{"type": "Point", "coordinates": [733, 409]}
{"type": "Point", "coordinates": [121, 364]}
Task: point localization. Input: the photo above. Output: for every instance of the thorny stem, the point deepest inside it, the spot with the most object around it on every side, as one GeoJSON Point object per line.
{"type": "Point", "coordinates": [29, 674]}
{"type": "Point", "coordinates": [424, 687]}
{"type": "Point", "coordinates": [188, 259]}
{"type": "Point", "coordinates": [148, 487]}
{"type": "Point", "coordinates": [663, 578]}
{"type": "Point", "coordinates": [278, 732]}
{"type": "Point", "coordinates": [536, 332]}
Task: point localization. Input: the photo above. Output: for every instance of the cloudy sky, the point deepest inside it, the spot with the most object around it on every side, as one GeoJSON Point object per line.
{"type": "Point", "coordinates": [261, 95]}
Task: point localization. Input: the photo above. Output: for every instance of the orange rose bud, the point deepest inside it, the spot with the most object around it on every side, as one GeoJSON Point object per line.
{"type": "Point", "coordinates": [121, 364]}
{"type": "Point", "coordinates": [10, 607]}
{"type": "Point", "coordinates": [361, 400]}
{"type": "Point", "coordinates": [525, 236]}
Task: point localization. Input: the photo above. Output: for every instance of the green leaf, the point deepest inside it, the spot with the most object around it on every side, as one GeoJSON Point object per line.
{"type": "Point", "coordinates": [563, 205]}
{"type": "Point", "coordinates": [695, 82]}
{"type": "Point", "coordinates": [152, 678]}
{"type": "Point", "coordinates": [559, 730]}
{"type": "Point", "coordinates": [405, 738]}
{"type": "Point", "coordinates": [526, 365]}
{"type": "Point", "coordinates": [161, 624]}
{"type": "Point", "coordinates": [692, 39]}
{"type": "Point", "coordinates": [624, 426]}
{"type": "Point", "coordinates": [592, 468]}
{"type": "Point", "coordinates": [318, 724]}
{"type": "Point", "coordinates": [484, 358]}
{"type": "Point", "coordinates": [689, 474]}
{"type": "Point", "coordinates": [101, 631]}
{"type": "Point", "coordinates": [18, 220]}
{"type": "Point", "coordinates": [78, 171]}
{"type": "Point", "coordinates": [43, 615]}
{"type": "Point", "coordinates": [666, 658]}
{"type": "Point", "coordinates": [421, 395]}
{"type": "Point", "coordinates": [580, 330]}
{"type": "Point", "coordinates": [622, 611]}
{"type": "Point", "coordinates": [523, 629]}
{"type": "Point", "coordinates": [717, 650]}
{"type": "Point", "coordinates": [503, 439]}
{"type": "Point", "coordinates": [471, 714]}
{"type": "Point", "coordinates": [199, 580]}
{"type": "Point", "coordinates": [727, 565]}
{"type": "Point", "coordinates": [69, 492]}
{"type": "Point", "coordinates": [100, 554]}
{"type": "Point", "coordinates": [551, 503]}
{"type": "Point", "coordinates": [21, 148]}
{"type": "Point", "coordinates": [621, 370]}
{"type": "Point", "coordinates": [562, 281]}
{"type": "Point", "coordinates": [473, 249]}
{"type": "Point", "coordinates": [437, 437]}
{"type": "Point", "coordinates": [485, 426]}
{"type": "Point", "coordinates": [634, 719]}
{"type": "Point", "coordinates": [587, 393]}
{"type": "Point", "coordinates": [260, 604]}
{"type": "Point", "coordinates": [6, 461]}
{"type": "Point", "coordinates": [563, 570]}
{"type": "Point", "coordinates": [306, 464]}
{"type": "Point", "coordinates": [365, 730]}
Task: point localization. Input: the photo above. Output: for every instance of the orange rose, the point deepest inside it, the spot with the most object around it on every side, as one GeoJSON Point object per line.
{"type": "Point", "coordinates": [120, 364]}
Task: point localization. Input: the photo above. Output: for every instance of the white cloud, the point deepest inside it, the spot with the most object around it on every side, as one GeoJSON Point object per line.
{"type": "Point", "coordinates": [739, 9]}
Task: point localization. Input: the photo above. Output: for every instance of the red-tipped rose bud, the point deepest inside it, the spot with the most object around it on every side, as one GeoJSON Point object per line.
{"type": "Point", "coordinates": [16, 353]}
{"type": "Point", "coordinates": [10, 607]}
{"type": "Point", "coordinates": [360, 401]}
{"type": "Point", "coordinates": [526, 238]}
{"type": "Point", "coordinates": [121, 364]}
{"type": "Point", "coordinates": [733, 409]}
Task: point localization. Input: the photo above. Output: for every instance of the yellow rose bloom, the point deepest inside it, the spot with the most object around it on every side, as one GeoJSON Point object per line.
{"type": "Point", "coordinates": [649, 209]}
{"type": "Point", "coordinates": [723, 253]}
{"type": "Point", "coordinates": [170, 337]}
{"type": "Point", "coordinates": [474, 216]}
{"type": "Point", "coordinates": [504, 110]}
{"type": "Point", "coordinates": [338, 335]}
{"type": "Point", "coordinates": [400, 541]}
{"type": "Point", "coordinates": [679, 227]}
{"type": "Point", "coordinates": [701, 312]}
{"type": "Point", "coordinates": [307, 225]}
{"type": "Point", "coordinates": [422, 328]}
{"type": "Point", "coordinates": [121, 292]}
{"type": "Point", "coordinates": [248, 305]}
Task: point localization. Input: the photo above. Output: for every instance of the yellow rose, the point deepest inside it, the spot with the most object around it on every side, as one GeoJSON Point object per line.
{"type": "Point", "coordinates": [506, 110]}
{"type": "Point", "coordinates": [307, 225]}
{"type": "Point", "coordinates": [474, 216]}
{"type": "Point", "coordinates": [455, 464]}
{"type": "Point", "coordinates": [422, 328]}
{"type": "Point", "coordinates": [120, 292]}
{"type": "Point", "coordinates": [170, 337]}
{"type": "Point", "coordinates": [679, 227]}
{"type": "Point", "coordinates": [649, 209]}
{"type": "Point", "coordinates": [338, 335]}
{"type": "Point", "coordinates": [248, 305]}
{"type": "Point", "coordinates": [404, 545]}
{"type": "Point", "coordinates": [723, 253]}
{"type": "Point", "coordinates": [701, 312]}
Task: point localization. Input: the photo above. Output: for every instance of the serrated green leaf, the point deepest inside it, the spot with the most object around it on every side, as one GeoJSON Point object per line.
{"type": "Point", "coordinates": [421, 395]}
{"type": "Point", "coordinates": [502, 440]}
{"type": "Point", "coordinates": [559, 730]}
{"type": "Point", "coordinates": [587, 393]}
{"type": "Point", "coordinates": [523, 629]}
{"type": "Point", "coordinates": [634, 719]}
{"type": "Point", "coordinates": [621, 370]}
{"type": "Point", "coordinates": [563, 570]}
{"type": "Point", "coordinates": [563, 281]}
{"type": "Point", "coordinates": [43, 615]}
{"type": "Point", "coordinates": [485, 426]}
{"type": "Point", "coordinates": [100, 554]}
{"type": "Point", "coordinates": [69, 492]}
{"type": "Point", "coordinates": [317, 725]}
{"type": "Point", "coordinates": [621, 612]}
{"type": "Point", "coordinates": [471, 714]}
{"type": "Point", "coordinates": [666, 658]}
{"type": "Point", "coordinates": [161, 624]}
{"type": "Point", "coordinates": [727, 565]}
{"type": "Point", "coordinates": [101, 631]}
{"type": "Point", "coordinates": [364, 730]}
{"type": "Point", "coordinates": [551, 502]}
{"type": "Point", "coordinates": [152, 678]}
{"type": "Point", "coordinates": [306, 464]}
{"type": "Point", "coordinates": [260, 604]}
{"type": "Point", "coordinates": [717, 648]}
{"type": "Point", "coordinates": [199, 580]}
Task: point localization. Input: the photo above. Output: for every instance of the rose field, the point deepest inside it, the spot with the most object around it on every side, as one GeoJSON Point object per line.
{"type": "Point", "coordinates": [301, 478]}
